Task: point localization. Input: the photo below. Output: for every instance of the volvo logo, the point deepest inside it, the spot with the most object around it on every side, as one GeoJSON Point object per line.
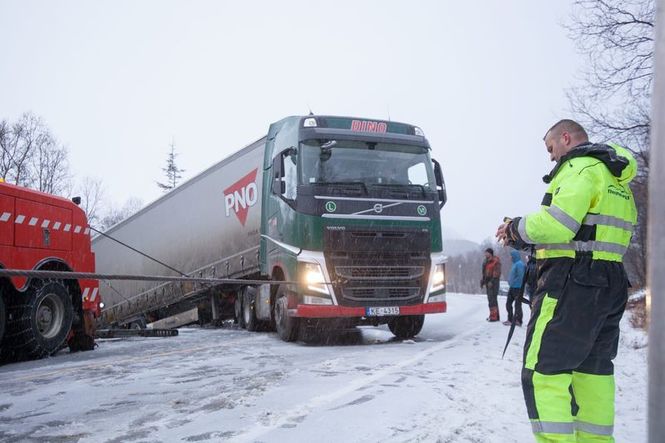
{"type": "Point", "coordinates": [378, 208]}
{"type": "Point", "coordinates": [422, 210]}
{"type": "Point", "coordinates": [331, 206]}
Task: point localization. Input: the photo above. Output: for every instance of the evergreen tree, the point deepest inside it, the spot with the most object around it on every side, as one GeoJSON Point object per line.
{"type": "Point", "coordinates": [171, 171]}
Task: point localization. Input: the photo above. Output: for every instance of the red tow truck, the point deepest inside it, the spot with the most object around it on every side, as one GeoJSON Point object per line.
{"type": "Point", "coordinates": [38, 317]}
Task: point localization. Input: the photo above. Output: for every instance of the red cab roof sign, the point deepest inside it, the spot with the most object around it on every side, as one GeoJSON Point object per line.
{"type": "Point", "coordinates": [368, 126]}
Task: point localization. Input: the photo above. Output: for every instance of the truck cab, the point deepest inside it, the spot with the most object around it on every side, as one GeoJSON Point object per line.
{"type": "Point", "coordinates": [351, 220]}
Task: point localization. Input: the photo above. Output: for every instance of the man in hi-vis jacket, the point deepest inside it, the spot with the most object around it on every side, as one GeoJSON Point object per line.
{"type": "Point", "coordinates": [580, 235]}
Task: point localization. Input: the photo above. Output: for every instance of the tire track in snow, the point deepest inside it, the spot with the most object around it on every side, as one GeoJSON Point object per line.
{"type": "Point", "coordinates": [311, 405]}
{"type": "Point", "coordinates": [112, 360]}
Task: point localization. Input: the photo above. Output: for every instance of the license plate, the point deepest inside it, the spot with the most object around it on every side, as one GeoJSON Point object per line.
{"type": "Point", "coordinates": [381, 311]}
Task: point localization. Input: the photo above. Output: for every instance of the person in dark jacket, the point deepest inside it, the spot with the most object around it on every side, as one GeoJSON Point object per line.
{"type": "Point", "coordinates": [531, 278]}
{"type": "Point", "coordinates": [515, 280]}
{"type": "Point", "coordinates": [490, 279]}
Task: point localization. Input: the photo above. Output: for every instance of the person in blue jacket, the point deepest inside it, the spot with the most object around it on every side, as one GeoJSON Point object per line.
{"type": "Point", "coordinates": [515, 280]}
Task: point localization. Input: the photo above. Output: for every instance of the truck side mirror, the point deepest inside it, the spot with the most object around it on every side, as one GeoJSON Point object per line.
{"type": "Point", "coordinates": [440, 184]}
{"type": "Point", "coordinates": [278, 185]}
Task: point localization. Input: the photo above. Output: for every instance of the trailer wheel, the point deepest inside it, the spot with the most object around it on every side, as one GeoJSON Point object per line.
{"type": "Point", "coordinates": [287, 327]}
{"type": "Point", "coordinates": [40, 319]}
{"type": "Point", "coordinates": [139, 323]}
{"type": "Point", "coordinates": [406, 327]}
{"type": "Point", "coordinates": [248, 313]}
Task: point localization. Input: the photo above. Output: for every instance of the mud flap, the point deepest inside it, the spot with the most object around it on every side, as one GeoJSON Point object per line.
{"type": "Point", "coordinates": [83, 339]}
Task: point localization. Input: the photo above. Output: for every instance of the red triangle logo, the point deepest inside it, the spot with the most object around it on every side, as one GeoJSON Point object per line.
{"type": "Point", "coordinates": [240, 196]}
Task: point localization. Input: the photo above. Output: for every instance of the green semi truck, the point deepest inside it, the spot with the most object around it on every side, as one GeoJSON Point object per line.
{"type": "Point", "coordinates": [345, 211]}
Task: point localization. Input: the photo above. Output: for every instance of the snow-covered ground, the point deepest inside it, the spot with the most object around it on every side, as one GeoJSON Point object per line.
{"type": "Point", "coordinates": [448, 385]}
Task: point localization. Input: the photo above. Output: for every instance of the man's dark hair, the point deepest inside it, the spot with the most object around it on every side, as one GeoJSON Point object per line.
{"type": "Point", "coordinates": [567, 125]}
{"type": "Point", "coordinates": [490, 250]}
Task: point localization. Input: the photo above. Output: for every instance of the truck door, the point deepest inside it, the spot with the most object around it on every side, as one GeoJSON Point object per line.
{"type": "Point", "coordinates": [43, 226]}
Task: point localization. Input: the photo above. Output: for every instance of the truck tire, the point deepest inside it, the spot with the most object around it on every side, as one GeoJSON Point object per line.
{"type": "Point", "coordinates": [287, 327]}
{"type": "Point", "coordinates": [238, 309]}
{"type": "Point", "coordinates": [406, 327]}
{"type": "Point", "coordinates": [248, 313]}
{"type": "Point", "coordinates": [40, 319]}
{"type": "Point", "coordinates": [3, 318]}
{"type": "Point", "coordinates": [138, 324]}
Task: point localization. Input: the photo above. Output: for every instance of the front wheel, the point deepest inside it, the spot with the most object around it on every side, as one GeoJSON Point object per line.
{"type": "Point", "coordinates": [287, 326]}
{"type": "Point", "coordinates": [407, 326]}
{"type": "Point", "coordinates": [40, 319]}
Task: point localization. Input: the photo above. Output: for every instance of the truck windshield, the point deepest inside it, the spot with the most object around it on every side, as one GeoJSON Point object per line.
{"type": "Point", "coordinates": [368, 163]}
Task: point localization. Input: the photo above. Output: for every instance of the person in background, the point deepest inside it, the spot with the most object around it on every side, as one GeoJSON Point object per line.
{"type": "Point", "coordinates": [515, 280]}
{"type": "Point", "coordinates": [531, 278]}
{"type": "Point", "coordinates": [490, 280]}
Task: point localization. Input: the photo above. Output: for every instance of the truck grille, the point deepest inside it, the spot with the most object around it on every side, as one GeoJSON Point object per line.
{"type": "Point", "coordinates": [379, 272]}
{"type": "Point", "coordinates": [380, 293]}
{"type": "Point", "coordinates": [378, 267]}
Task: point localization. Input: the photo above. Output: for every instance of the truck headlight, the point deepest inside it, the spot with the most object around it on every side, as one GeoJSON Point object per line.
{"type": "Point", "coordinates": [438, 278]}
{"type": "Point", "coordinates": [313, 278]}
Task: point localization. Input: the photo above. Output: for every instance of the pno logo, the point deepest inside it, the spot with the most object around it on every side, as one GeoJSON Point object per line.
{"type": "Point", "coordinates": [241, 195]}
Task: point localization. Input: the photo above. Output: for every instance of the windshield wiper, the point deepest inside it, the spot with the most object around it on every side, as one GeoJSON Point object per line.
{"type": "Point", "coordinates": [400, 186]}
{"type": "Point", "coordinates": [355, 184]}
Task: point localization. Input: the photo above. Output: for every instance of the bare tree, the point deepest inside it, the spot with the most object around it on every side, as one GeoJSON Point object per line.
{"type": "Point", "coordinates": [171, 171]}
{"type": "Point", "coordinates": [613, 96]}
{"type": "Point", "coordinates": [115, 215]}
{"type": "Point", "coordinates": [6, 149]}
{"type": "Point", "coordinates": [91, 191]}
{"type": "Point", "coordinates": [32, 157]}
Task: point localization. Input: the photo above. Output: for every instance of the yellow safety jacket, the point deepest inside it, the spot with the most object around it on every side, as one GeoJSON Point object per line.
{"type": "Point", "coordinates": [588, 207]}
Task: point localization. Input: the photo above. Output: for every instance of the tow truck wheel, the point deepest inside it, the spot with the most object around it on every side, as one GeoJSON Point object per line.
{"type": "Point", "coordinates": [406, 327]}
{"type": "Point", "coordinates": [3, 318]}
{"type": "Point", "coordinates": [287, 327]}
{"type": "Point", "coordinates": [248, 313]}
{"type": "Point", "coordinates": [40, 319]}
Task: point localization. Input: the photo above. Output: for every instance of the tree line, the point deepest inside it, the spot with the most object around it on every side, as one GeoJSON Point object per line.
{"type": "Point", "coordinates": [31, 156]}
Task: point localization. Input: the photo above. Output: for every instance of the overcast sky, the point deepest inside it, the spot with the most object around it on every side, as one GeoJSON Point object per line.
{"type": "Point", "coordinates": [117, 81]}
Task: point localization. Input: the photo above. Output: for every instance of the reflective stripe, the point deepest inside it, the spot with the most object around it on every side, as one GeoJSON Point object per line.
{"type": "Point", "coordinates": [563, 218]}
{"type": "Point", "coordinates": [544, 317]}
{"type": "Point", "coordinates": [521, 230]}
{"type": "Point", "coordinates": [607, 220]}
{"type": "Point", "coordinates": [590, 428]}
{"type": "Point", "coordinates": [586, 246]}
{"type": "Point", "coordinates": [552, 427]}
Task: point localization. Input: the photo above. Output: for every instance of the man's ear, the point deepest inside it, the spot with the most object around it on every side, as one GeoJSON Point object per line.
{"type": "Point", "coordinates": [566, 137]}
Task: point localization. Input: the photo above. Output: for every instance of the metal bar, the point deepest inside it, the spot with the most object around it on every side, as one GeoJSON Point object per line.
{"type": "Point", "coordinates": [656, 240]}
{"type": "Point", "coordinates": [93, 276]}
{"type": "Point", "coordinates": [116, 333]}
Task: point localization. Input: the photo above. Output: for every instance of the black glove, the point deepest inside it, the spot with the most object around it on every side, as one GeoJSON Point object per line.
{"type": "Point", "coordinates": [513, 238]}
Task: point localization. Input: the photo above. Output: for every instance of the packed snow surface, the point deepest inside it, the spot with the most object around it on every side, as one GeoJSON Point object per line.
{"type": "Point", "coordinates": [449, 384]}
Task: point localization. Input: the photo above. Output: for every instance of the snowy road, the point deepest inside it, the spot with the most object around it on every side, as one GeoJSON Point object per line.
{"type": "Point", "coordinates": [448, 385]}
